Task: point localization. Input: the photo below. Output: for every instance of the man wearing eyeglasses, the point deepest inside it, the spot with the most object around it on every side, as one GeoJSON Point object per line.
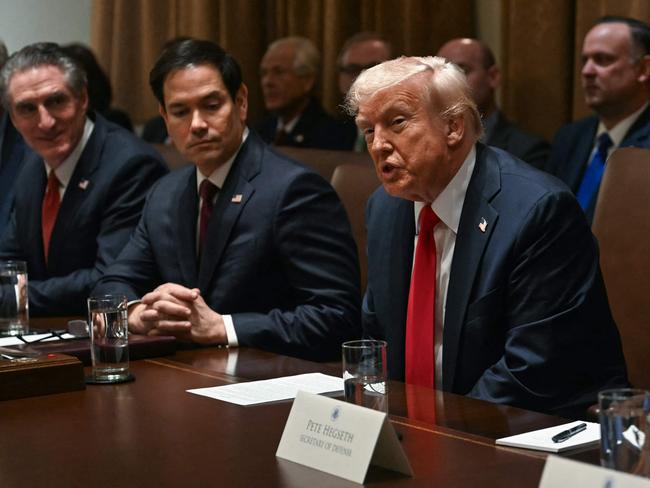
{"type": "Point", "coordinates": [615, 73]}
{"type": "Point", "coordinates": [360, 52]}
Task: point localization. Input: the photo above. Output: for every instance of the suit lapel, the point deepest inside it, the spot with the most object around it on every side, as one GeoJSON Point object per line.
{"type": "Point", "coordinates": [186, 216]}
{"type": "Point", "coordinates": [80, 187]}
{"type": "Point", "coordinates": [34, 202]}
{"type": "Point", "coordinates": [477, 223]}
{"type": "Point", "coordinates": [638, 134]}
{"type": "Point", "coordinates": [399, 262]}
{"type": "Point", "coordinates": [581, 153]}
{"type": "Point", "coordinates": [233, 198]}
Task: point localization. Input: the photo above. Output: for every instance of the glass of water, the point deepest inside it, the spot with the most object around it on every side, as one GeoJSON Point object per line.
{"type": "Point", "coordinates": [14, 309]}
{"type": "Point", "coordinates": [109, 339]}
{"type": "Point", "coordinates": [625, 430]}
{"type": "Point", "coordinates": [365, 374]}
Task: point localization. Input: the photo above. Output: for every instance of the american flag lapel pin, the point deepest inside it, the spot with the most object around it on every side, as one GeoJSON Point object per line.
{"type": "Point", "coordinates": [237, 198]}
{"type": "Point", "coordinates": [483, 225]}
{"type": "Point", "coordinates": [83, 184]}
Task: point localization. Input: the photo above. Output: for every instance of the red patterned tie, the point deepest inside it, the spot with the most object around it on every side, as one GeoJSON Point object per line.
{"type": "Point", "coordinates": [420, 319]}
{"type": "Point", "coordinates": [51, 203]}
{"type": "Point", "coordinates": [207, 190]}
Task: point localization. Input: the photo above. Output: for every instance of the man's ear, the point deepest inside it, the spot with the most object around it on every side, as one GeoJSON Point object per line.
{"type": "Point", "coordinates": [162, 111]}
{"type": "Point", "coordinates": [455, 131]}
{"type": "Point", "coordinates": [644, 69]}
{"type": "Point", "coordinates": [494, 77]}
{"type": "Point", "coordinates": [241, 100]}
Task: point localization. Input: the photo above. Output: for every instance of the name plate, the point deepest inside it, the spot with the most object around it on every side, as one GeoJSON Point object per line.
{"type": "Point", "coordinates": [561, 472]}
{"type": "Point", "coordinates": [340, 438]}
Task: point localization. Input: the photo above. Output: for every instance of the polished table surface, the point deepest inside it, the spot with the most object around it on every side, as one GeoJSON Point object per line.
{"type": "Point", "coordinates": [151, 432]}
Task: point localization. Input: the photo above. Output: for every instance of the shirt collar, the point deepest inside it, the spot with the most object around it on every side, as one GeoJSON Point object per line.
{"type": "Point", "coordinates": [287, 126]}
{"type": "Point", "coordinates": [64, 171]}
{"type": "Point", "coordinates": [218, 176]}
{"type": "Point", "coordinates": [617, 133]}
{"type": "Point", "coordinates": [448, 206]}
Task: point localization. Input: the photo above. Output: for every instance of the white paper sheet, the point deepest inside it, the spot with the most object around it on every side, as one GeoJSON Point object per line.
{"type": "Point", "coordinates": [541, 439]}
{"type": "Point", "coordinates": [273, 390]}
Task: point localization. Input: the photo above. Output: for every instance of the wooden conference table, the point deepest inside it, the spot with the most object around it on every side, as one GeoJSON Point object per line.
{"type": "Point", "coordinates": [152, 433]}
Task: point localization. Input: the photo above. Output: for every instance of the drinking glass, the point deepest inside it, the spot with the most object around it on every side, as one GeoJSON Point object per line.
{"type": "Point", "coordinates": [365, 373]}
{"type": "Point", "coordinates": [14, 309]}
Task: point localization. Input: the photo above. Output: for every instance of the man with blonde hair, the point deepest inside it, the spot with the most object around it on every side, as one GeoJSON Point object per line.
{"type": "Point", "coordinates": [483, 275]}
{"type": "Point", "coordinates": [289, 74]}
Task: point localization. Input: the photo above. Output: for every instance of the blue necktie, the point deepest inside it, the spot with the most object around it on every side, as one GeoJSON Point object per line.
{"type": "Point", "coordinates": [594, 172]}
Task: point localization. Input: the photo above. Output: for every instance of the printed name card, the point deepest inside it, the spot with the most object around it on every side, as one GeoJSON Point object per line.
{"type": "Point", "coordinates": [561, 472]}
{"type": "Point", "coordinates": [340, 438]}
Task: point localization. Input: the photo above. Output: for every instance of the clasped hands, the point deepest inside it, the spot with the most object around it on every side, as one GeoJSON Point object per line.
{"type": "Point", "coordinates": [172, 309]}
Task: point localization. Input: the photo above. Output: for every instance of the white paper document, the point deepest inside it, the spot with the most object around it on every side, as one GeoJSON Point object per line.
{"type": "Point", "coordinates": [541, 439]}
{"type": "Point", "coordinates": [273, 390]}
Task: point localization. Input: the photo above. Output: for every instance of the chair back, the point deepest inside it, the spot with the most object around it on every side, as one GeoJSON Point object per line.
{"type": "Point", "coordinates": [354, 184]}
{"type": "Point", "coordinates": [324, 161]}
{"type": "Point", "coordinates": [622, 227]}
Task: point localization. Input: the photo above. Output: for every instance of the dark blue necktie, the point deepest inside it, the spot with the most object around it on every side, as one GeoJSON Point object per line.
{"type": "Point", "coordinates": [594, 172]}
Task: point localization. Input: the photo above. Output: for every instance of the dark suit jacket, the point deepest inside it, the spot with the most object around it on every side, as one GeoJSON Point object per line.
{"type": "Point", "coordinates": [574, 142]}
{"type": "Point", "coordinates": [527, 319]}
{"type": "Point", "coordinates": [12, 152]}
{"type": "Point", "coordinates": [315, 128]}
{"type": "Point", "coordinates": [98, 212]}
{"type": "Point", "coordinates": [279, 256]}
{"type": "Point", "coordinates": [527, 147]}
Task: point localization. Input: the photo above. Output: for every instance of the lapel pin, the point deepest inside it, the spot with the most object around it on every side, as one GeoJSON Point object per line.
{"type": "Point", "coordinates": [483, 224]}
{"type": "Point", "coordinates": [237, 198]}
{"type": "Point", "coordinates": [299, 138]}
{"type": "Point", "coordinates": [83, 184]}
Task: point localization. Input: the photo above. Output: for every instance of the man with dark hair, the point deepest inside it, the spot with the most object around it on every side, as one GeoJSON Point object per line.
{"type": "Point", "coordinates": [475, 58]}
{"type": "Point", "coordinates": [245, 247]}
{"type": "Point", "coordinates": [289, 74]}
{"type": "Point", "coordinates": [615, 73]}
{"type": "Point", "coordinates": [483, 274]}
{"type": "Point", "coordinates": [12, 152]}
{"type": "Point", "coordinates": [80, 194]}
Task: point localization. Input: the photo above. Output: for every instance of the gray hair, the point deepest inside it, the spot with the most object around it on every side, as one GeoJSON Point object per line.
{"type": "Point", "coordinates": [307, 58]}
{"type": "Point", "coordinates": [446, 88]}
{"type": "Point", "coordinates": [42, 54]}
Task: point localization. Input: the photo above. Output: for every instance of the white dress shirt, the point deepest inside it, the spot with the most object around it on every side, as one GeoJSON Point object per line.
{"type": "Point", "coordinates": [448, 206]}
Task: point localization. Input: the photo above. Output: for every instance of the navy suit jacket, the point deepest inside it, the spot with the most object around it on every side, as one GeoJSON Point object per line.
{"type": "Point", "coordinates": [98, 212]}
{"type": "Point", "coordinates": [527, 147]}
{"type": "Point", "coordinates": [315, 128]}
{"type": "Point", "coordinates": [12, 152]}
{"type": "Point", "coordinates": [527, 319]}
{"type": "Point", "coordinates": [574, 142]}
{"type": "Point", "coordinates": [278, 257]}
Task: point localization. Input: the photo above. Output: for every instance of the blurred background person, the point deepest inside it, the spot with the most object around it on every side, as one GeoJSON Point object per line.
{"type": "Point", "coordinates": [12, 151]}
{"type": "Point", "coordinates": [360, 52]}
{"type": "Point", "coordinates": [289, 72]}
{"type": "Point", "coordinates": [100, 93]}
{"type": "Point", "coordinates": [476, 59]}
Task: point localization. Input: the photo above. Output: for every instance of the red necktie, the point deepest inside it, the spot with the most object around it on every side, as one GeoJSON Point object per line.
{"type": "Point", "coordinates": [420, 319]}
{"type": "Point", "coordinates": [51, 203]}
{"type": "Point", "coordinates": [207, 190]}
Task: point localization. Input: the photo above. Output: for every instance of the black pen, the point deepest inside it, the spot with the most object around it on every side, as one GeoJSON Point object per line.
{"type": "Point", "coordinates": [566, 434]}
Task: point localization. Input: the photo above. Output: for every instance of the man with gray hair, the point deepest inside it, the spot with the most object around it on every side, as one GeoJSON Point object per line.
{"type": "Point", "coordinates": [80, 193]}
{"type": "Point", "coordinates": [289, 74]}
{"type": "Point", "coordinates": [12, 151]}
{"type": "Point", "coordinates": [483, 275]}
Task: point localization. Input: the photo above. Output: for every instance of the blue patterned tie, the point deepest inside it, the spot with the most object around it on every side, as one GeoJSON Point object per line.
{"type": "Point", "coordinates": [594, 172]}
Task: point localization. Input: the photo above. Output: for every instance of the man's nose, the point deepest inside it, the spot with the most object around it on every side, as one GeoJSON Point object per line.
{"type": "Point", "coordinates": [199, 124]}
{"type": "Point", "coordinates": [588, 68]}
{"type": "Point", "coordinates": [45, 119]}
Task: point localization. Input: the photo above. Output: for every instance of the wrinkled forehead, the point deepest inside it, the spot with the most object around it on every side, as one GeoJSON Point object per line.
{"type": "Point", "coordinates": [412, 93]}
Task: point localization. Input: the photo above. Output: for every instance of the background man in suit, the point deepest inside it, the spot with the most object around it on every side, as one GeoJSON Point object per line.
{"type": "Point", "coordinates": [615, 73]}
{"type": "Point", "coordinates": [484, 77]}
{"type": "Point", "coordinates": [289, 74]}
{"type": "Point", "coordinates": [361, 51]}
{"type": "Point", "coordinates": [12, 151]}
{"type": "Point", "coordinates": [235, 247]}
{"type": "Point", "coordinates": [504, 265]}
{"type": "Point", "coordinates": [79, 195]}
